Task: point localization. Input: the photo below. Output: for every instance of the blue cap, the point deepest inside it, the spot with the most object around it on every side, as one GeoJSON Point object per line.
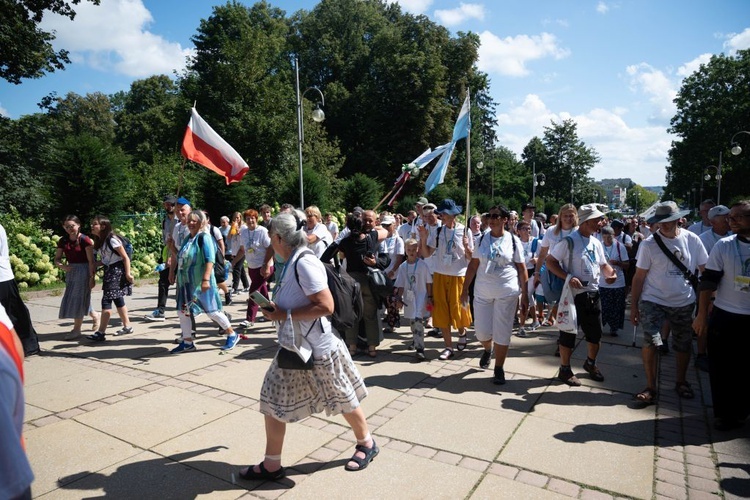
{"type": "Point", "coordinates": [183, 201]}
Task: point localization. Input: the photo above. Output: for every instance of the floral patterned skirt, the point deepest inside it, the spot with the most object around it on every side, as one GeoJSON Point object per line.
{"type": "Point", "coordinates": [334, 385]}
{"type": "Point", "coordinates": [114, 284]}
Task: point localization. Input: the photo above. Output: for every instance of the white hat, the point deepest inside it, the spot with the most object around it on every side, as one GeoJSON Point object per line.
{"type": "Point", "coordinates": [387, 220]}
{"type": "Point", "coordinates": [588, 212]}
{"type": "Point", "coordinates": [718, 211]}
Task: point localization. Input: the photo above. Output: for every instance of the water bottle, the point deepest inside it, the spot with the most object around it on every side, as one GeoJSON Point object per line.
{"type": "Point", "coordinates": [160, 267]}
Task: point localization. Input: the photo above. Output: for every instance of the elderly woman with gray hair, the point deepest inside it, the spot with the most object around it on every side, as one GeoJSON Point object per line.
{"type": "Point", "coordinates": [613, 295]}
{"type": "Point", "coordinates": [197, 291]}
{"type": "Point", "coordinates": [302, 303]}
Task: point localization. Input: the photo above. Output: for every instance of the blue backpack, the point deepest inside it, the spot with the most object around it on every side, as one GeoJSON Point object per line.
{"type": "Point", "coordinates": [125, 244]}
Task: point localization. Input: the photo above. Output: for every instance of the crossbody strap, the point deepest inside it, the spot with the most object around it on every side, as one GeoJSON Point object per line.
{"type": "Point", "coordinates": [685, 271]}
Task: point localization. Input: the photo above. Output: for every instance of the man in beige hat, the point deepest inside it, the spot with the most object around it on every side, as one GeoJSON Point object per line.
{"type": "Point", "coordinates": [587, 263]}
{"type": "Point", "coordinates": [661, 292]}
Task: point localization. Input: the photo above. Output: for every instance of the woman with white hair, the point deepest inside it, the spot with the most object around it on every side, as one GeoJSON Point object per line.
{"type": "Point", "coordinates": [301, 304]}
{"type": "Point", "coordinates": [197, 291]}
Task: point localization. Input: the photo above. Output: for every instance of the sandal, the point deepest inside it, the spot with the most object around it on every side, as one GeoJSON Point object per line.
{"type": "Point", "coordinates": [362, 463]}
{"type": "Point", "coordinates": [446, 354]}
{"type": "Point", "coordinates": [263, 475]}
{"type": "Point", "coordinates": [461, 342]}
{"type": "Point", "coordinates": [647, 396]}
{"type": "Point", "coordinates": [372, 352]}
{"type": "Point", "coordinates": [684, 390]}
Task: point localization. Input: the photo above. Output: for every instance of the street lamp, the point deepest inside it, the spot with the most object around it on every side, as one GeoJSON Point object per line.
{"type": "Point", "coordinates": [480, 166]}
{"type": "Point", "coordinates": [317, 115]}
{"type": "Point", "coordinates": [707, 176]}
{"type": "Point", "coordinates": [736, 149]}
{"type": "Point", "coordinates": [537, 182]}
{"type": "Point", "coordinates": [636, 202]}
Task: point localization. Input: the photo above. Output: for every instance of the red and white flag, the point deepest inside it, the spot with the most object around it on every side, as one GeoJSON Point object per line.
{"type": "Point", "coordinates": [205, 147]}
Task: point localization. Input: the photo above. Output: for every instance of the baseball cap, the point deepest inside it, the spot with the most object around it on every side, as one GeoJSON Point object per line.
{"type": "Point", "coordinates": [718, 211]}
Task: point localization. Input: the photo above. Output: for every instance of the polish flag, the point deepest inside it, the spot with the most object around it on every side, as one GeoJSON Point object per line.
{"type": "Point", "coordinates": [205, 147]}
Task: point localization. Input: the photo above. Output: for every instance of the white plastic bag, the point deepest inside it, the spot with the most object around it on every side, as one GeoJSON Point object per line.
{"type": "Point", "coordinates": [290, 337]}
{"type": "Point", "coordinates": [567, 321]}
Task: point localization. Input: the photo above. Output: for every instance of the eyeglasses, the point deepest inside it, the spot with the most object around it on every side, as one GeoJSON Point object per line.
{"type": "Point", "coordinates": [736, 218]}
{"type": "Point", "coordinates": [494, 216]}
{"type": "Point", "coordinates": [70, 226]}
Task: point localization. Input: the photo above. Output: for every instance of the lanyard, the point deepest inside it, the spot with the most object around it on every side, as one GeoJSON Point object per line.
{"type": "Point", "coordinates": [744, 264]}
{"type": "Point", "coordinates": [448, 244]}
{"type": "Point", "coordinates": [290, 260]}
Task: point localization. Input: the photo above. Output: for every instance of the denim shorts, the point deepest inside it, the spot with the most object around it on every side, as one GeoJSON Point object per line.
{"type": "Point", "coordinates": [680, 324]}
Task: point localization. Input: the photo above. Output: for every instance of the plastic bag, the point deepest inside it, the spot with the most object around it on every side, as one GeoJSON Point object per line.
{"type": "Point", "coordinates": [567, 320]}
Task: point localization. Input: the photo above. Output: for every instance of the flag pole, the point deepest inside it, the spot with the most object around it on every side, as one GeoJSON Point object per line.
{"type": "Point", "coordinates": [468, 164]}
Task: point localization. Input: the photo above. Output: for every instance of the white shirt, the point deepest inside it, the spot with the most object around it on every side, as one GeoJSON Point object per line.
{"type": "Point", "coordinates": [408, 230]}
{"type": "Point", "coordinates": [551, 239]}
{"type": "Point", "coordinates": [109, 255]}
{"type": "Point", "coordinates": [731, 256]}
{"type": "Point", "coordinates": [324, 238]}
{"type": "Point", "coordinates": [699, 227]}
{"type": "Point", "coordinates": [528, 255]}
{"type": "Point", "coordinates": [665, 283]}
{"type": "Point", "coordinates": [179, 234]}
{"type": "Point", "coordinates": [449, 258]}
{"type": "Point", "coordinates": [333, 228]}
{"type": "Point", "coordinates": [6, 272]}
{"type": "Point", "coordinates": [255, 243]}
{"type": "Point", "coordinates": [709, 239]}
{"type": "Point", "coordinates": [497, 274]}
{"type": "Point", "coordinates": [393, 246]}
{"type": "Point", "coordinates": [616, 251]}
{"type": "Point", "coordinates": [588, 258]}
{"type": "Point", "coordinates": [291, 294]}
{"type": "Point", "coordinates": [413, 278]}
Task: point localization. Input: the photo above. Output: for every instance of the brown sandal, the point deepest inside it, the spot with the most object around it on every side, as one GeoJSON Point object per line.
{"type": "Point", "coordinates": [684, 390]}
{"type": "Point", "coordinates": [647, 396]}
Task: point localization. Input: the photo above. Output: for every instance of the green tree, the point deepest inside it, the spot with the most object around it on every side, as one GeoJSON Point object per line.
{"type": "Point", "coordinates": [361, 190]}
{"type": "Point", "coordinates": [712, 105]}
{"type": "Point", "coordinates": [25, 49]}
{"type": "Point", "coordinates": [22, 187]}
{"type": "Point", "coordinates": [75, 115]}
{"type": "Point", "coordinates": [639, 198]}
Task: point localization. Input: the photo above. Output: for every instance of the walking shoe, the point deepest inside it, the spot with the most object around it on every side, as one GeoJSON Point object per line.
{"type": "Point", "coordinates": [228, 299]}
{"type": "Point", "coordinates": [420, 355]}
{"type": "Point", "coordinates": [245, 324]}
{"type": "Point", "coordinates": [566, 375]}
{"type": "Point", "coordinates": [157, 315]}
{"type": "Point", "coordinates": [484, 361]}
{"type": "Point", "coordinates": [521, 333]}
{"type": "Point", "coordinates": [534, 325]}
{"type": "Point", "coordinates": [231, 342]}
{"type": "Point", "coordinates": [613, 332]}
{"type": "Point", "coordinates": [434, 333]}
{"type": "Point", "coordinates": [97, 337]}
{"type": "Point", "coordinates": [245, 290]}
{"type": "Point", "coordinates": [124, 331]}
{"type": "Point", "coordinates": [183, 347]}
{"type": "Point", "coordinates": [593, 371]}
{"type": "Point", "coordinates": [701, 362]}
{"type": "Point", "coordinates": [499, 376]}
{"type": "Point", "coordinates": [72, 335]}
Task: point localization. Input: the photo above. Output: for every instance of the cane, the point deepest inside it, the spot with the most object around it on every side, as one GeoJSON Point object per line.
{"type": "Point", "coordinates": [635, 329]}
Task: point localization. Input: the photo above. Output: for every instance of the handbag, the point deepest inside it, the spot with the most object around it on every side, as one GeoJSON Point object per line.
{"type": "Point", "coordinates": [290, 360]}
{"type": "Point", "coordinates": [380, 284]}
{"type": "Point", "coordinates": [690, 277]}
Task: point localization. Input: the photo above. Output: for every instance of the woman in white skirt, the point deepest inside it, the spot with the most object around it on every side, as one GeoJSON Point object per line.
{"type": "Point", "coordinates": [79, 267]}
{"type": "Point", "coordinates": [333, 385]}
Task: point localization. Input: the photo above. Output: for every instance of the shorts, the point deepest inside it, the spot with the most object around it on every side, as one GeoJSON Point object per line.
{"type": "Point", "coordinates": [493, 319]}
{"type": "Point", "coordinates": [680, 319]}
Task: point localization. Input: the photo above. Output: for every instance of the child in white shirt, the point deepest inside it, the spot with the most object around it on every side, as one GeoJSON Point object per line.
{"type": "Point", "coordinates": [414, 292]}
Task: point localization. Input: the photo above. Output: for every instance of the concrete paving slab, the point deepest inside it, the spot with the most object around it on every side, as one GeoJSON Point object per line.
{"type": "Point", "coordinates": [46, 368]}
{"type": "Point", "coordinates": [32, 412]}
{"type": "Point", "coordinates": [56, 395]}
{"type": "Point", "coordinates": [396, 477]}
{"type": "Point", "coordinates": [459, 428]}
{"type": "Point", "coordinates": [243, 377]}
{"type": "Point", "coordinates": [148, 475]}
{"type": "Point", "coordinates": [156, 416]}
{"type": "Point", "coordinates": [65, 451]}
{"type": "Point", "coordinates": [583, 453]}
{"type": "Point", "coordinates": [493, 487]}
{"type": "Point", "coordinates": [377, 399]}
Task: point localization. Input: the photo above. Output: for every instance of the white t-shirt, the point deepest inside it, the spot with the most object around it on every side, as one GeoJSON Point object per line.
{"type": "Point", "coordinates": [623, 238]}
{"type": "Point", "coordinates": [393, 246]}
{"type": "Point", "coordinates": [255, 243]}
{"type": "Point", "coordinates": [528, 254]}
{"type": "Point", "coordinates": [179, 234]}
{"type": "Point", "coordinates": [588, 258]}
{"type": "Point", "coordinates": [6, 272]}
{"type": "Point", "coordinates": [413, 278]}
{"type": "Point", "coordinates": [665, 283]}
{"type": "Point", "coordinates": [497, 274]}
{"type": "Point", "coordinates": [731, 256]}
{"type": "Point", "coordinates": [449, 258]}
{"type": "Point", "coordinates": [408, 230]}
{"type": "Point", "coordinates": [616, 251]}
{"type": "Point", "coordinates": [709, 239]}
{"type": "Point", "coordinates": [291, 294]}
{"type": "Point", "coordinates": [109, 255]}
{"type": "Point", "coordinates": [324, 238]}
{"type": "Point", "coordinates": [699, 227]}
{"type": "Point", "coordinates": [551, 239]}
{"type": "Point", "coordinates": [333, 228]}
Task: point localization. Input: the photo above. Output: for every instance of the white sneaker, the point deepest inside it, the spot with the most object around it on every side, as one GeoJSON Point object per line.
{"type": "Point", "coordinates": [534, 325]}
{"type": "Point", "coordinates": [157, 315]}
{"type": "Point", "coordinates": [521, 333]}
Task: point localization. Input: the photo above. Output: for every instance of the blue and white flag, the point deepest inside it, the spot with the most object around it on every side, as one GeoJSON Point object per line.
{"type": "Point", "coordinates": [460, 131]}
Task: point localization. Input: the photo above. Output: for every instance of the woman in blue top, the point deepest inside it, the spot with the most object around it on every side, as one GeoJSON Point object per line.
{"type": "Point", "coordinates": [197, 291]}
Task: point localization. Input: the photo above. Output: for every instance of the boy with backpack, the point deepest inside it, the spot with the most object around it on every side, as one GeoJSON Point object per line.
{"type": "Point", "coordinates": [414, 292]}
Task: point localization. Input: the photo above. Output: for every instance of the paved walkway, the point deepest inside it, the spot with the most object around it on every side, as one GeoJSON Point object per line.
{"type": "Point", "coordinates": [124, 419]}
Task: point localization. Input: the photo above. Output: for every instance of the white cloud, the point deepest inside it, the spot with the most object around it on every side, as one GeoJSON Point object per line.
{"type": "Point", "coordinates": [4, 112]}
{"type": "Point", "coordinates": [625, 151]}
{"type": "Point", "coordinates": [737, 42]}
{"type": "Point", "coordinates": [413, 6]}
{"type": "Point", "coordinates": [510, 55]}
{"type": "Point", "coordinates": [465, 11]}
{"type": "Point", "coordinates": [691, 67]}
{"type": "Point", "coordinates": [660, 90]}
{"type": "Point", "coordinates": [602, 8]}
{"type": "Point", "coordinates": [114, 37]}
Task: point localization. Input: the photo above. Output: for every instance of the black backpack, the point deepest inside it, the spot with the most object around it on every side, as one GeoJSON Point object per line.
{"type": "Point", "coordinates": [126, 244]}
{"type": "Point", "coordinates": [346, 293]}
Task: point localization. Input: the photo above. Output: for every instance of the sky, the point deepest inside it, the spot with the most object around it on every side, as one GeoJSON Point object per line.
{"type": "Point", "coordinates": [614, 67]}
